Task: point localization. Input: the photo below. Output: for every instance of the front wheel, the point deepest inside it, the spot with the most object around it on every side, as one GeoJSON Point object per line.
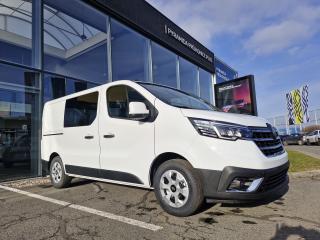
{"type": "Point", "coordinates": [59, 179]}
{"type": "Point", "coordinates": [178, 188]}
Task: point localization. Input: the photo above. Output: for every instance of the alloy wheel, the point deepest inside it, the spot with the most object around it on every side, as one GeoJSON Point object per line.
{"type": "Point", "coordinates": [56, 172]}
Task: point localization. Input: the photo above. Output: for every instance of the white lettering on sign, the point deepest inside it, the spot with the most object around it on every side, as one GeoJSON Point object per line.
{"type": "Point", "coordinates": [229, 87]}
{"type": "Point", "coordinates": [185, 42]}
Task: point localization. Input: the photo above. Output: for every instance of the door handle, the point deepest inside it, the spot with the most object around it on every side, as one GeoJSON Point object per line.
{"type": "Point", "coordinates": [109, 135]}
{"type": "Point", "coordinates": [89, 137]}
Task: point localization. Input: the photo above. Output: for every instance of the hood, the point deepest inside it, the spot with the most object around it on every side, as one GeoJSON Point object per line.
{"type": "Point", "coordinates": [241, 119]}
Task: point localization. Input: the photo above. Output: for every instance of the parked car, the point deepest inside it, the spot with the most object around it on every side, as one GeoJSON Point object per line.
{"type": "Point", "coordinates": [18, 152]}
{"type": "Point", "coordinates": [295, 138]}
{"type": "Point", "coordinates": [157, 137]}
{"type": "Point", "coordinates": [313, 137]}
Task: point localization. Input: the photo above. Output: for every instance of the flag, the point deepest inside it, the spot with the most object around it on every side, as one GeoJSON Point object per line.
{"type": "Point", "coordinates": [297, 106]}
{"type": "Point", "coordinates": [290, 109]}
{"type": "Point", "coordinates": [304, 102]}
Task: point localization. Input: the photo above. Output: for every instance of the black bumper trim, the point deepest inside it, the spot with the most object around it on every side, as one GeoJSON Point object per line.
{"type": "Point", "coordinates": [215, 183]}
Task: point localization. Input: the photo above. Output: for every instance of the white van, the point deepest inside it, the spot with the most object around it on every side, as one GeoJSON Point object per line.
{"type": "Point", "coordinates": [152, 136]}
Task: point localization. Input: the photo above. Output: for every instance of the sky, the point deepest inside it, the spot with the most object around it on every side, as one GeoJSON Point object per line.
{"type": "Point", "coordinates": [278, 41]}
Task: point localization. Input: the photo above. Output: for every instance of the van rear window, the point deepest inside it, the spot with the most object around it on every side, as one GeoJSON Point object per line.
{"type": "Point", "coordinates": [81, 110]}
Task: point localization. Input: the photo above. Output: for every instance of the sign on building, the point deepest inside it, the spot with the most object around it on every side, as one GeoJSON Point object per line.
{"type": "Point", "coordinates": [223, 71]}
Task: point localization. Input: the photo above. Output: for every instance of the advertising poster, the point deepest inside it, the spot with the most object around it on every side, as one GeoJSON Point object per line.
{"type": "Point", "coordinates": [237, 96]}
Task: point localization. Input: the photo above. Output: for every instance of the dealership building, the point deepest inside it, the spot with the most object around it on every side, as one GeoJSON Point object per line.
{"type": "Point", "coordinates": [51, 48]}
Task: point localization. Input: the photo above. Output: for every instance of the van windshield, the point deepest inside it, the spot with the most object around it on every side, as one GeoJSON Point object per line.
{"type": "Point", "coordinates": [178, 98]}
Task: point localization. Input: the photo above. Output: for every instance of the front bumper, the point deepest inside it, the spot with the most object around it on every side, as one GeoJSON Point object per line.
{"type": "Point", "coordinates": [274, 184]}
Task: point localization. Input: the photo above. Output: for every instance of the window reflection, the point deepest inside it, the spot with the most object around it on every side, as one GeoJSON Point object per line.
{"type": "Point", "coordinates": [57, 86]}
{"type": "Point", "coordinates": [75, 40]}
{"type": "Point", "coordinates": [188, 77]}
{"type": "Point", "coordinates": [15, 31]}
{"type": "Point", "coordinates": [129, 54]}
{"type": "Point", "coordinates": [19, 122]}
{"type": "Point", "coordinates": [164, 65]}
{"type": "Point", "coordinates": [205, 82]}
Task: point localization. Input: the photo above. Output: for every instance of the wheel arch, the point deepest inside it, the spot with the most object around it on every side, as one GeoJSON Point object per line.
{"type": "Point", "coordinates": [160, 159]}
{"type": "Point", "coordinates": [52, 156]}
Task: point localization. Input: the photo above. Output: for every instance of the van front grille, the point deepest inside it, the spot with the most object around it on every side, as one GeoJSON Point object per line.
{"type": "Point", "coordinates": [267, 141]}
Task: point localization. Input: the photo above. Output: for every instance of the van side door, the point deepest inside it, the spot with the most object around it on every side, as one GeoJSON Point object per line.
{"type": "Point", "coordinates": [127, 144]}
{"type": "Point", "coordinates": [80, 148]}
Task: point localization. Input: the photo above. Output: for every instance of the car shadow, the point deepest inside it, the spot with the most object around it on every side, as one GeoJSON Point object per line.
{"type": "Point", "coordinates": [79, 182]}
{"type": "Point", "coordinates": [284, 232]}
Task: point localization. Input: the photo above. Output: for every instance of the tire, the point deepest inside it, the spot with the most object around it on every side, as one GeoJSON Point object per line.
{"type": "Point", "coordinates": [58, 177]}
{"type": "Point", "coordinates": [308, 143]}
{"type": "Point", "coordinates": [188, 192]}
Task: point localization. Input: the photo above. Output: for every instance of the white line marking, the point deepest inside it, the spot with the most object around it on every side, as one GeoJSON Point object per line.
{"type": "Point", "coordinates": [112, 216]}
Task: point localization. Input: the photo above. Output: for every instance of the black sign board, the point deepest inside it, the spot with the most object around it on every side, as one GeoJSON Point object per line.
{"type": "Point", "coordinates": [237, 96]}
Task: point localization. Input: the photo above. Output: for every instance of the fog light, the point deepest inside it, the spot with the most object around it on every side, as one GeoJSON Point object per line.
{"type": "Point", "coordinates": [241, 184]}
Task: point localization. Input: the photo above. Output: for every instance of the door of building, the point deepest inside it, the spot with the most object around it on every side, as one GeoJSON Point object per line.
{"type": "Point", "coordinates": [19, 131]}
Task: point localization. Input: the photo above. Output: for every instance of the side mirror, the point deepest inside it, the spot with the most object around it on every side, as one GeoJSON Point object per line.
{"type": "Point", "coordinates": [138, 110]}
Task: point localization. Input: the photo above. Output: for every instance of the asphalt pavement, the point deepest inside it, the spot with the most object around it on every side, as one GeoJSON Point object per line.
{"type": "Point", "coordinates": [95, 210]}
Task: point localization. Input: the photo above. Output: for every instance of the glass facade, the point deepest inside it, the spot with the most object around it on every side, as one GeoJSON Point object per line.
{"type": "Point", "coordinates": [188, 77]}
{"type": "Point", "coordinates": [75, 48]}
{"type": "Point", "coordinates": [205, 85]}
{"type": "Point", "coordinates": [55, 86]}
{"type": "Point", "coordinates": [16, 31]}
{"type": "Point", "coordinates": [75, 38]}
{"type": "Point", "coordinates": [164, 66]}
{"type": "Point", "coordinates": [129, 53]}
{"type": "Point", "coordinates": [19, 122]}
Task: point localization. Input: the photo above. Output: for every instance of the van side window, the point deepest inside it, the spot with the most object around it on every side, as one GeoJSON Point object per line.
{"type": "Point", "coordinates": [81, 110]}
{"type": "Point", "coordinates": [118, 99]}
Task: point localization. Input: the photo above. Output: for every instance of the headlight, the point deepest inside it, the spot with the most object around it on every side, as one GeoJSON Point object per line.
{"type": "Point", "coordinates": [222, 130]}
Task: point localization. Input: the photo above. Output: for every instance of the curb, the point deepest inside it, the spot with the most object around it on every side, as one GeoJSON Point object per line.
{"type": "Point", "coordinates": [308, 174]}
{"type": "Point", "coordinates": [26, 182]}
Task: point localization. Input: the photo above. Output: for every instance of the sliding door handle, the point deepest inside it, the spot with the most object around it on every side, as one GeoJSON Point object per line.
{"type": "Point", "coordinates": [109, 135]}
{"type": "Point", "coordinates": [89, 137]}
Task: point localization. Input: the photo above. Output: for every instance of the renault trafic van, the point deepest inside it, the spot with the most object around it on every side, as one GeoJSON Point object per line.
{"type": "Point", "coordinates": [152, 136]}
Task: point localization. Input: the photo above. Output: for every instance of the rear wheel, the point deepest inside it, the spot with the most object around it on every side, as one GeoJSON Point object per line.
{"type": "Point", "coordinates": [59, 179]}
{"type": "Point", "coordinates": [178, 188]}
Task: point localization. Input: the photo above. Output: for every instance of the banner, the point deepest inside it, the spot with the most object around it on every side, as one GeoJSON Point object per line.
{"type": "Point", "coordinates": [297, 105]}
{"type": "Point", "coordinates": [304, 101]}
{"type": "Point", "coordinates": [290, 109]}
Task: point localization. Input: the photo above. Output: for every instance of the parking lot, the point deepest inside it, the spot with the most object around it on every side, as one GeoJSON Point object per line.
{"type": "Point", "coordinates": [94, 210]}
